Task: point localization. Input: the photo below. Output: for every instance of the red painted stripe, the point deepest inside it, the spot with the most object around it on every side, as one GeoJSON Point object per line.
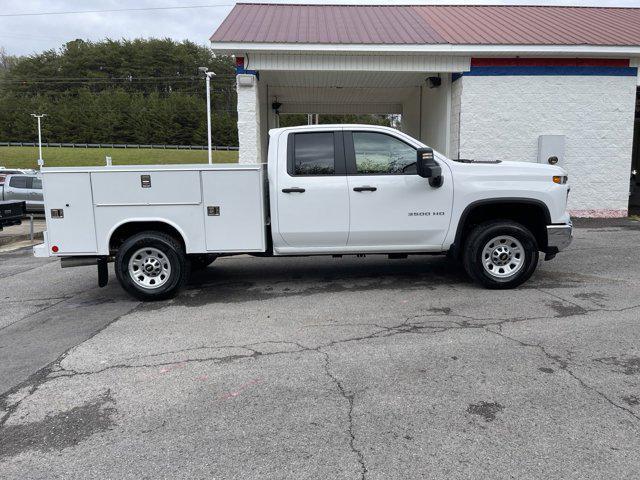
{"type": "Point", "coordinates": [549, 62]}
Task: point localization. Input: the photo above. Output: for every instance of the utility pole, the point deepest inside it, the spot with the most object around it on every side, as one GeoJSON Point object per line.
{"type": "Point", "coordinates": [39, 117]}
{"type": "Point", "coordinates": [208, 76]}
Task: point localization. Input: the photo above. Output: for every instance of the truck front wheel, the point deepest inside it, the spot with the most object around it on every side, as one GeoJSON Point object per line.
{"type": "Point", "coordinates": [151, 266]}
{"type": "Point", "coordinates": [500, 254]}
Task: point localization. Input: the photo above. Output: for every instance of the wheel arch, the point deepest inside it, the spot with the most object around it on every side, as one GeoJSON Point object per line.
{"type": "Point", "coordinates": [532, 213]}
{"type": "Point", "coordinates": [125, 229]}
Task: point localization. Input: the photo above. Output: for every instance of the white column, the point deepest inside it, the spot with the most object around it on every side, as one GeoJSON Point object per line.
{"type": "Point", "coordinates": [248, 119]}
{"type": "Point", "coordinates": [436, 115]}
{"type": "Point", "coordinates": [411, 114]}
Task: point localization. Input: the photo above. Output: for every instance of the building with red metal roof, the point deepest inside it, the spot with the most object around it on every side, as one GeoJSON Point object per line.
{"type": "Point", "coordinates": [257, 24]}
{"type": "Point", "coordinates": [505, 82]}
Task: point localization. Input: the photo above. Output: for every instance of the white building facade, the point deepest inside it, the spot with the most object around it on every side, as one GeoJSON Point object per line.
{"type": "Point", "coordinates": [481, 101]}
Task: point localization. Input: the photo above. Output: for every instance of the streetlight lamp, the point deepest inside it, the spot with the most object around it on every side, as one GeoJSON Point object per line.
{"type": "Point", "coordinates": [208, 76]}
{"type": "Point", "coordinates": [39, 117]}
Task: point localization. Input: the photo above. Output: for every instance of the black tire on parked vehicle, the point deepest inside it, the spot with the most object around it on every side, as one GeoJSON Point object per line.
{"type": "Point", "coordinates": [151, 266]}
{"type": "Point", "coordinates": [500, 254]}
{"type": "Point", "coordinates": [201, 261]}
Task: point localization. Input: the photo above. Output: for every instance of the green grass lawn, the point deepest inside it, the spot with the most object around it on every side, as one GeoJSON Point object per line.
{"type": "Point", "coordinates": [26, 157]}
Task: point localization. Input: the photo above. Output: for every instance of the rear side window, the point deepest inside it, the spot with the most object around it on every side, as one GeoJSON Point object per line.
{"type": "Point", "coordinates": [314, 154]}
{"type": "Point", "coordinates": [37, 183]}
{"type": "Point", "coordinates": [18, 182]}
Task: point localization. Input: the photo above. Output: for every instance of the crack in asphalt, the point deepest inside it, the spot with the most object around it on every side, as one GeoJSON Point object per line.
{"type": "Point", "coordinates": [382, 331]}
{"type": "Point", "coordinates": [42, 376]}
{"type": "Point", "coordinates": [43, 309]}
{"type": "Point", "coordinates": [37, 299]}
{"type": "Point", "coordinates": [560, 298]}
{"type": "Point", "coordinates": [407, 326]}
{"type": "Point", "coordinates": [350, 398]}
{"type": "Point", "coordinates": [20, 272]}
{"type": "Point", "coordinates": [563, 364]}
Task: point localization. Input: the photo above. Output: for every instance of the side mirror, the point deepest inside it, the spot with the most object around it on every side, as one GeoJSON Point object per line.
{"type": "Point", "coordinates": [428, 168]}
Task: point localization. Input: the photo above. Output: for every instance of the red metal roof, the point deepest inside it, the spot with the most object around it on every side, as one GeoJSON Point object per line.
{"type": "Point", "coordinates": [410, 24]}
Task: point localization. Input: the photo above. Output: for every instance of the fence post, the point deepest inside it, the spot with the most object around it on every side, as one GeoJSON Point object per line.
{"type": "Point", "coordinates": [31, 227]}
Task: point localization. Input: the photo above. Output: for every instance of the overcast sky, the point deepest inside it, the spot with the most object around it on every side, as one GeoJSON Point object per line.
{"type": "Point", "coordinates": [24, 35]}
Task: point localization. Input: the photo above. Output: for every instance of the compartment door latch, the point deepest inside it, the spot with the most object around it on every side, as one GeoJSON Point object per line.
{"type": "Point", "coordinates": [145, 181]}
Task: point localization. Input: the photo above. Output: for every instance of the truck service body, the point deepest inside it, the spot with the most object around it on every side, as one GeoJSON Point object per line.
{"type": "Point", "coordinates": [326, 190]}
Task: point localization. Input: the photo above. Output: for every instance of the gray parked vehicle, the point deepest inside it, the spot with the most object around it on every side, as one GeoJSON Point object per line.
{"type": "Point", "coordinates": [5, 172]}
{"type": "Point", "coordinates": [25, 188]}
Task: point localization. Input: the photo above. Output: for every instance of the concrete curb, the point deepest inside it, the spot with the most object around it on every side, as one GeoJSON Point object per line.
{"type": "Point", "coordinates": [9, 239]}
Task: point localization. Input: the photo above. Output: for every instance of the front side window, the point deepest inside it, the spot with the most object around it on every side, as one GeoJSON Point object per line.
{"type": "Point", "coordinates": [377, 153]}
{"type": "Point", "coordinates": [37, 183]}
{"type": "Point", "coordinates": [18, 182]}
{"type": "Point", "coordinates": [314, 154]}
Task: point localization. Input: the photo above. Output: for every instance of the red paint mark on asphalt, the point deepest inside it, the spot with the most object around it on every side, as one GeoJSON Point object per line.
{"type": "Point", "coordinates": [173, 367]}
{"type": "Point", "coordinates": [240, 389]}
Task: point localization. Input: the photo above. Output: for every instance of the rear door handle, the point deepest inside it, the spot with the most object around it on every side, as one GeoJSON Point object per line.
{"type": "Point", "coordinates": [293, 190]}
{"type": "Point", "coordinates": [364, 189]}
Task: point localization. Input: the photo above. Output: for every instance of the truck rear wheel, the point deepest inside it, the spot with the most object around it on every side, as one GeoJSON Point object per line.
{"type": "Point", "coordinates": [500, 254]}
{"type": "Point", "coordinates": [151, 266]}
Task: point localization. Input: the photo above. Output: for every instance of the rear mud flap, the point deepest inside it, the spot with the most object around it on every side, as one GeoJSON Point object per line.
{"type": "Point", "coordinates": [103, 272]}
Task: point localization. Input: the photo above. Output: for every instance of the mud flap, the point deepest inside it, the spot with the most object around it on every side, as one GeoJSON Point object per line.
{"type": "Point", "coordinates": [103, 272]}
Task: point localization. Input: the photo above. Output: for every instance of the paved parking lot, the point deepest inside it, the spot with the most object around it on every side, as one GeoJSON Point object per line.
{"type": "Point", "coordinates": [326, 368]}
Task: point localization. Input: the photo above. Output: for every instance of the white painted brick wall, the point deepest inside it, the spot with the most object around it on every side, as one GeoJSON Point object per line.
{"type": "Point", "coordinates": [248, 122]}
{"type": "Point", "coordinates": [502, 116]}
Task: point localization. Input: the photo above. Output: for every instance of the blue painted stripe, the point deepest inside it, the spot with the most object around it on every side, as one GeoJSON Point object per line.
{"type": "Point", "coordinates": [242, 70]}
{"type": "Point", "coordinates": [554, 70]}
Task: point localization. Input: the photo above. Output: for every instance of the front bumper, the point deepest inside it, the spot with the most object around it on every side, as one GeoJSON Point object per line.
{"type": "Point", "coordinates": [559, 237]}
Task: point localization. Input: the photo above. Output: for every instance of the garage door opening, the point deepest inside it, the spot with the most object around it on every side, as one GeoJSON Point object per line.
{"type": "Point", "coordinates": [416, 102]}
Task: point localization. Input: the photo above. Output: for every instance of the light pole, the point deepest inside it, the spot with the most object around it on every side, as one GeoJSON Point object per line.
{"type": "Point", "coordinates": [39, 117]}
{"type": "Point", "coordinates": [208, 76]}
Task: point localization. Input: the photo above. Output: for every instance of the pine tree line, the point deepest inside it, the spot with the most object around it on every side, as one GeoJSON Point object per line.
{"type": "Point", "coordinates": [129, 91]}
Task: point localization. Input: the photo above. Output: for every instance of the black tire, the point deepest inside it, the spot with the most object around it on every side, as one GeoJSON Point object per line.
{"type": "Point", "coordinates": [169, 250]}
{"type": "Point", "coordinates": [201, 261]}
{"type": "Point", "coordinates": [474, 256]}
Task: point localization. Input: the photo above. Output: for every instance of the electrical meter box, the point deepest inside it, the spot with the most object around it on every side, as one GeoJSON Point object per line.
{"type": "Point", "coordinates": [551, 149]}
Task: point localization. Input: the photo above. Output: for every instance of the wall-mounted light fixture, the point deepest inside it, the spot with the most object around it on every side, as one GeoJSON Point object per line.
{"type": "Point", "coordinates": [276, 106]}
{"type": "Point", "coordinates": [434, 82]}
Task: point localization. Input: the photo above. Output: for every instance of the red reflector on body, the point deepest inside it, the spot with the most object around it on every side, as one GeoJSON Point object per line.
{"type": "Point", "coordinates": [54, 249]}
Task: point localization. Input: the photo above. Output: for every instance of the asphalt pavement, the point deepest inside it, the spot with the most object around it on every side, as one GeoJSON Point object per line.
{"type": "Point", "coordinates": [323, 368]}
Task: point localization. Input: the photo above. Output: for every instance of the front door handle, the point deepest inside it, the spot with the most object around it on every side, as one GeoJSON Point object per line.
{"type": "Point", "coordinates": [293, 190]}
{"type": "Point", "coordinates": [364, 189]}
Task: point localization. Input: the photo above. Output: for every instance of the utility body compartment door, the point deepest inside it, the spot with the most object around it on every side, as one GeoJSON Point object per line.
{"type": "Point", "coordinates": [74, 232]}
{"type": "Point", "coordinates": [150, 187]}
{"type": "Point", "coordinates": [234, 214]}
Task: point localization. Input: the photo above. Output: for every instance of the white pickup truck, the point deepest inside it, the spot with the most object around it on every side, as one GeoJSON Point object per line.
{"type": "Point", "coordinates": [326, 190]}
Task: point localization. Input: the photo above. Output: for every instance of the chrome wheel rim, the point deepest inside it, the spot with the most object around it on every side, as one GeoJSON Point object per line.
{"type": "Point", "coordinates": [503, 256]}
{"type": "Point", "coordinates": [149, 268]}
